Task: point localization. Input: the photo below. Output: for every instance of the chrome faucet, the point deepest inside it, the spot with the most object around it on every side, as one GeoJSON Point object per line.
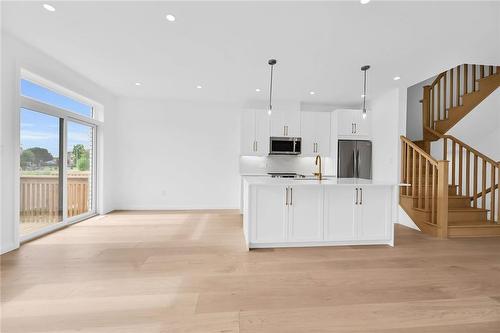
{"type": "Point", "coordinates": [318, 174]}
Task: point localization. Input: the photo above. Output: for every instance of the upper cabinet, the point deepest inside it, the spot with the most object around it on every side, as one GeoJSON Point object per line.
{"type": "Point", "coordinates": [350, 123]}
{"type": "Point", "coordinates": [285, 122]}
{"type": "Point", "coordinates": [254, 133]}
{"type": "Point", "coordinates": [315, 132]}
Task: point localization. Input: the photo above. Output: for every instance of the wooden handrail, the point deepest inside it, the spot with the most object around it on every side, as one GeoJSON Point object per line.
{"type": "Point", "coordinates": [422, 152]}
{"type": "Point", "coordinates": [447, 89]}
{"type": "Point", "coordinates": [428, 184]}
{"type": "Point", "coordinates": [488, 190]}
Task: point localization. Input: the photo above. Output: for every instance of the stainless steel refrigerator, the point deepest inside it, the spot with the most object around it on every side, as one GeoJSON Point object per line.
{"type": "Point", "coordinates": [354, 159]}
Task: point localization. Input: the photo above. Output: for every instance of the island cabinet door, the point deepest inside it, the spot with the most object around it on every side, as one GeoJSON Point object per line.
{"type": "Point", "coordinates": [269, 213]}
{"type": "Point", "coordinates": [374, 209]}
{"type": "Point", "coordinates": [340, 213]}
{"type": "Point", "coordinates": [305, 213]}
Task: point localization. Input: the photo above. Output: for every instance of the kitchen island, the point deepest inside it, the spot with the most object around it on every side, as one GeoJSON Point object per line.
{"type": "Point", "coordinates": [280, 212]}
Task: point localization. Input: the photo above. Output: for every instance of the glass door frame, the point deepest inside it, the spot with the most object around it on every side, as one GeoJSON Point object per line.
{"type": "Point", "coordinates": [66, 116]}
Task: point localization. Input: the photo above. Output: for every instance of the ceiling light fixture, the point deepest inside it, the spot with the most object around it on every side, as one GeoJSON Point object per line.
{"type": "Point", "coordinates": [364, 2]}
{"type": "Point", "coordinates": [396, 78]}
{"type": "Point", "coordinates": [49, 7]}
{"type": "Point", "coordinates": [257, 90]}
{"type": "Point", "coordinates": [311, 93]}
{"type": "Point", "coordinates": [198, 87]}
{"type": "Point", "coordinates": [364, 69]}
{"type": "Point", "coordinates": [170, 17]}
{"type": "Point", "coordinates": [137, 83]}
{"type": "Point", "coordinates": [271, 62]}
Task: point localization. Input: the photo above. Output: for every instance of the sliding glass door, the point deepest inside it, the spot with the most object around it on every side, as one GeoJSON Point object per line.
{"type": "Point", "coordinates": [57, 160]}
{"type": "Point", "coordinates": [80, 168]}
{"type": "Point", "coordinates": [41, 180]}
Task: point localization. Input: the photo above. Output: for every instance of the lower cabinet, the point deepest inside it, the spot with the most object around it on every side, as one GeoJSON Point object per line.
{"type": "Point", "coordinates": [305, 213]}
{"type": "Point", "coordinates": [308, 214]}
{"type": "Point", "coordinates": [358, 213]}
{"type": "Point", "coordinates": [287, 214]}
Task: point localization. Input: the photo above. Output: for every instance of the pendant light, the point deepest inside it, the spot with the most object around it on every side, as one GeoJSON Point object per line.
{"type": "Point", "coordinates": [271, 62]}
{"type": "Point", "coordinates": [364, 69]}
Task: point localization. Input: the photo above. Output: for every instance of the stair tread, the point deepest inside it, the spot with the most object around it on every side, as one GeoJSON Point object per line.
{"type": "Point", "coordinates": [467, 209]}
{"type": "Point", "coordinates": [474, 224]}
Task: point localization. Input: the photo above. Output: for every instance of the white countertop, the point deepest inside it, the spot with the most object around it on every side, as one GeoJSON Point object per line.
{"type": "Point", "coordinates": [267, 180]}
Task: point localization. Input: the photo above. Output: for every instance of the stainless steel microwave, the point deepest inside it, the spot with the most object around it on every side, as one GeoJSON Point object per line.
{"type": "Point", "coordinates": [285, 146]}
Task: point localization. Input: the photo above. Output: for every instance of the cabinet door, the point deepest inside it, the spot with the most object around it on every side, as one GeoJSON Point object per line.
{"type": "Point", "coordinates": [362, 126]}
{"type": "Point", "coordinates": [269, 214]}
{"type": "Point", "coordinates": [261, 133]}
{"type": "Point", "coordinates": [247, 132]}
{"type": "Point", "coordinates": [345, 122]}
{"type": "Point", "coordinates": [307, 130]}
{"type": "Point", "coordinates": [305, 213]}
{"type": "Point", "coordinates": [322, 133]}
{"type": "Point", "coordinates": [277, 122]}
{"type": "Point", "coordinates": [340, 222]}
{"type": "Point", "coordinates": [292, 122]}
{"type": "Point", "coordinates": [374, 210]}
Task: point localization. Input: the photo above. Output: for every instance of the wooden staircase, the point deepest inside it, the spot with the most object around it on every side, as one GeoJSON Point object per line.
{"type": "Point", "coordinates": [443, 197]}
{"type": "Point", "coordinates": [453, 94]}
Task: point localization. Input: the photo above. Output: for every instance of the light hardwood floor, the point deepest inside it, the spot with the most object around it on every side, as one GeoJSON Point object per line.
{"type": "Point", "coordinates": [189, 272]}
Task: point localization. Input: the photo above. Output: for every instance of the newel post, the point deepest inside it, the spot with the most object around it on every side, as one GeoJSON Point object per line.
{"type": "Point", "coordinates": [442, 199]}
{"type": "Point", "coordinates": [426, 110]}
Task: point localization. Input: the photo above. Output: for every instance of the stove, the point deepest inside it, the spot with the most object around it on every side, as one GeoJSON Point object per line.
{"type": "Point", "coordinates": [285, 175]}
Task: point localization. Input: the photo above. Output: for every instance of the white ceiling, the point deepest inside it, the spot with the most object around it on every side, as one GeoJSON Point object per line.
{"type": "Point", "coordinates": [224, 46]}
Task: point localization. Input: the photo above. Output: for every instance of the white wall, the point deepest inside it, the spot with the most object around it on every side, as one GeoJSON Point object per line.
{"type": "Point", "coordinates": [414, 130]}
{"type": "Point", "coordinates": [177, 155]}
{"type": "Point", "coordinates": [385, 133]}
{"type": "Point", "coordinates": [17, 55]}
{"type": "Point", "coordinates": [480, 129]}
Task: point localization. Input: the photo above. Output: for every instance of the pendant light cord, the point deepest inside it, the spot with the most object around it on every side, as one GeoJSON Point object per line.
{"type": "Point", "coordinates": [271, 89]}
{"type": "Point", "coordinates": [364, 93]}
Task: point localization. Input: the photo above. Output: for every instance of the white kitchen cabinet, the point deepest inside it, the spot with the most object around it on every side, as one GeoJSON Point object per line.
{"type": "Point", "coordinates": [288, 213]}
{"type": "Point", "coordinates": [361, 213]}
{"type": "Point", "coordinates": [315, 133]}
{"type": "Point", "coordinates": [350, 123]}
{"type": "Point", "coordinates": [255, 133]}
{"type": "Point", "coordinates": [270, 214]}
{"type": "Point", "coordinates": [285, 122]}
{"type": "Point", "coordinates": [374, 213]}
{"type": "Point", "coordinates": [340, 213]}
{"type": "Point", "coordinates": [305, 213]}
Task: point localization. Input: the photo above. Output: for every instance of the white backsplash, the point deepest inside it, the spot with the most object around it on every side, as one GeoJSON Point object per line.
{"type": "Point", "coordinates": [301, 165]}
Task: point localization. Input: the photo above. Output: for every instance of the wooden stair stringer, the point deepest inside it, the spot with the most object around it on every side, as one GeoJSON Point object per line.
{"type": "Point", "coordinates": [470, 101]}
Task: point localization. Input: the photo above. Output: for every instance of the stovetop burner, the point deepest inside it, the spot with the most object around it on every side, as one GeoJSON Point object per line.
{"type": "Point", "coordinates": [285, 175]}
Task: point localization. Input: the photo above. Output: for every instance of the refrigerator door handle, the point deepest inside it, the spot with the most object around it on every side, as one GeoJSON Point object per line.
{"type": "Point", "coordinates": [357, 163]}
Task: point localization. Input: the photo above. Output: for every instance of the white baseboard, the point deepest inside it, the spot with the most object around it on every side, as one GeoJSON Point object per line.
{"type": "Point", "coordinates": [167, 207]}
{"type": "Point", "coordinates": [8, 247]}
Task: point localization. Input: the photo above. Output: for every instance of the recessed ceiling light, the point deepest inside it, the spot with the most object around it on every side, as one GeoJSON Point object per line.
{"type": "Point", "coordinates": [49, 7]}
{"type": "Point", "coordinates": [137, 83]}
{"type": "Point", "coordinates": [362, 95]}
{"type": "Point", "coordinates": [311, 93]}
{"type": "Point", "coordinates": [198, 87]}
{"type": "Point", "coordinates": [396, 78]}
{"type": "Point", "coordinates": [364, 2]}
{"type": "Point", "coordinates": [257, 90]}
{"type": "Point", "coordinates": [170, 17]}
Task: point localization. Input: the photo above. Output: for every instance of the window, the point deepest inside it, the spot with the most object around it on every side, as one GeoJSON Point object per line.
{"type": "Point", "coordinates": [44, 95]}
{"type": "Point", "coordinates": [57, 160]}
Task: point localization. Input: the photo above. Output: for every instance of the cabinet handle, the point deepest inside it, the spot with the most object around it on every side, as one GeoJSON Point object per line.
{"type": "Point", "coordinates": [317, 147]}
{"type": "Point", "coordinates": [361, 200]}
{"type": "Point", "coordinates": [355, 128]}
{"type": "Point", "coordinates": [357, 195]}
{"type": "Point", "coordinates": [284, 130]}
{"type": "Point", "coordinates": [352, 128]}
{"type": "Point", "coordinates": [291, 196]}
{"type": "Point", "coordinates": [286, 197]}
{"type": "Point", "coordinates": [256, 145]}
